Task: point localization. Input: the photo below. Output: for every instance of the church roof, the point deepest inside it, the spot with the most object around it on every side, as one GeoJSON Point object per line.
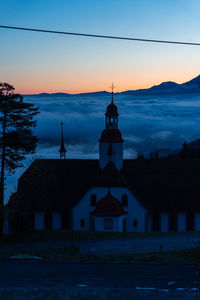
{"type": "Point", "coordinates": [159, 185]}
{"type": "Point", "coordinates": [111, 136]}
{"type": "Point", "coordinates": [165, 184]}
{"type": "Point", "coordinates": [108, 207]}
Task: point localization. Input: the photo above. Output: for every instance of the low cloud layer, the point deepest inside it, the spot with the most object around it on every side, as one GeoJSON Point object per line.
{"type": "Point", "coordinates": [147, 123]}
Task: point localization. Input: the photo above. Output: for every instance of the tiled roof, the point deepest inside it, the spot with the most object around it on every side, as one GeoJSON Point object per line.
{"type": "Point", "coordinates": [108, 207]}
{"type": "Point", "coordinates": [159, 185]}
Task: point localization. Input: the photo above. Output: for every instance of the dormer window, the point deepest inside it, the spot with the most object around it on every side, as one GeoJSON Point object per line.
{"type": "Point", "coordinates": [93, 200]}
{"type": "Point", "coordinates": [124, 200]}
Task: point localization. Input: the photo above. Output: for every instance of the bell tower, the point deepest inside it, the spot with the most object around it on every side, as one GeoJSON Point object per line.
{"type": "Point", "coordinates": [62, 146]}
{"type": "Point", "coordinates": [111, 142]}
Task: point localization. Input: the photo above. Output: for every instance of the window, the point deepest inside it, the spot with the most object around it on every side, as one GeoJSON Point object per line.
{"type": "Point", "coordinates": [93, 200]}
{"type": "Point", "coordinates": [173, 222]}
{"type": "Point", "coordinates": [82, 222]}
{"type": "Point", "coordinates": [108, 224]}
{"type": "Point", "coordinates": [48, 221]}
{"type": "Point", "coordinates": [124, 200]}
{"type": "Point", "coordinates": [190, 222]}
{"type": "Point", "coordinates": [156, 222]}
{"type": "Point", "coordinates": [135, 223]}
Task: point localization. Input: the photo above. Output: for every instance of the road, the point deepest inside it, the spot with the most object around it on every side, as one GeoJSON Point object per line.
{"type": "Point", "coordinates": [112, 275]}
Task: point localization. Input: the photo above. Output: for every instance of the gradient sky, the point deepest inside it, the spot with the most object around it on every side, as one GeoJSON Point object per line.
{"type": "Point", "coordinates": [38, 62]}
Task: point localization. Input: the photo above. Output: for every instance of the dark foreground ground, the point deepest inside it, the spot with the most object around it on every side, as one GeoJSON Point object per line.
{"type": "Point", "coordinates": [62, 280]}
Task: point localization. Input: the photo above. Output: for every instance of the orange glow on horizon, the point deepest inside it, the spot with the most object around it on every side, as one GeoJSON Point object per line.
{"type": "Point", "coordinates": [88, 85]}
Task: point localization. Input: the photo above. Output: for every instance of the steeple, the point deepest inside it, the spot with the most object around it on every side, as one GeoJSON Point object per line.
{"type": "Point", "coordinates": [62, 146]}
{"type": "Point", "coordinates": [111, 142]}
{"type": "Point", "coordinates": [112, 113]}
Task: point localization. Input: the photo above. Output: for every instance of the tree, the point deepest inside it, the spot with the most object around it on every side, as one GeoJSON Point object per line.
{"type": "Point", "coordinates": [16, 137]}
{"type": "Point", "coordinates": [185, 151]}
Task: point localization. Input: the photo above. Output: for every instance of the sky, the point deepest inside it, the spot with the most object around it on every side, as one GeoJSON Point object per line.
{"type": "Point", "coordinates": [38, 62]}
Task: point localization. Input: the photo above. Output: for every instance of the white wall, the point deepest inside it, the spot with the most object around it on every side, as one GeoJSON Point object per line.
{"type": "Point", "coordinates": [56, 221]}
{"type": "Point", "coordinates": [116, 158]}
{"type": "Point", "coordinates": [135, 210]}
{"type": "Point", "coordinates": [39, 221]}
{"type": "Point", "coordinates": [164, 222]}
{"type": "Point", "coordinates": [181, 221]}
{"type": "Point", "coordinates": [197, 221]}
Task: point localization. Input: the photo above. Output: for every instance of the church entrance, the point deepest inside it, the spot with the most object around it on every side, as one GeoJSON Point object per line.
{"type": "Point", "coordinates": [124, 225]}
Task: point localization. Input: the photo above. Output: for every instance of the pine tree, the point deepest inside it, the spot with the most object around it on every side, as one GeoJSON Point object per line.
{"type": "Point", "coordinates": [16, 137]}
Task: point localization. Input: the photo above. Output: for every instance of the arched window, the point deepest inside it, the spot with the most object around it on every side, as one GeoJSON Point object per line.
{"type": "Point", "coordinates": [93, 200]}
{"type": "Point", "coordinates": [135, 223]}
{"type": "Point", "coordinates": [124, 200]}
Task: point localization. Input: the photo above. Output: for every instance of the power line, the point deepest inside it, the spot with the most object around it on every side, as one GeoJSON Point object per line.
{"type": "Point", "coordinates": [101, 36]}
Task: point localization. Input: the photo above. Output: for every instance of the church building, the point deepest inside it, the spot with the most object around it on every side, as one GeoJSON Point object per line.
{"type": "Point", "coordinates": [108, 194]}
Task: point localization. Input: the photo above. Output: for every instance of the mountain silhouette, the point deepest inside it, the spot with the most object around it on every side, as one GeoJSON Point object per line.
{"type": "Point", "coordinates": [168, 87]}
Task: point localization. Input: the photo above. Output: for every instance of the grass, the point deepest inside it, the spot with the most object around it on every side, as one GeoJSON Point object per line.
{"type": "Point", "coordinates": [64, 235]}
{"type": "Point", "coordinates": [188, 255]}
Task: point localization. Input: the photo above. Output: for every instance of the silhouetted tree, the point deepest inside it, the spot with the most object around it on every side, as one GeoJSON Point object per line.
{"type": "Point", "coordinates": [16, 136]}
{"type": "Point", "coordinates": [185, 151]}
{"type": "Point", "coordinates": [151, 155]}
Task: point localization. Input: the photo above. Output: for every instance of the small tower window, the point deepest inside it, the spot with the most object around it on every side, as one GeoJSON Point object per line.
{"type": "Point", "coordinates": [93, 200]}
{"type": "Point", "coordinates": [124, 200]}
{"type": "Point", "coordinates": [135, 223]}
{"type": "Point", "coordinates": [82, 222]}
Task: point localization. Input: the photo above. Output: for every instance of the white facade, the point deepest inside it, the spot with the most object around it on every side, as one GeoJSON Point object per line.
{"type": "Point", "coordinates": [39, 221]}
{"type": "Point", "coordinates": [181, 221]}
{"type": "Point", "coordinates": [116, 157]}
{"type": "Point", "coordinates": [164, 222]}
{"type": "Point", "coordinates": [56, 221]}
{"type": "Point", "coordinates": [135, 217]}
{"type": "Point", "coordinates": [197, 221]}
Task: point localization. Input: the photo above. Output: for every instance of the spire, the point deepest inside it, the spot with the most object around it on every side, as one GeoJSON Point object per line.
{"type": "Point", "coordinates": [62, 146]}
{"type": "Point", "coordinates": [112, 90]}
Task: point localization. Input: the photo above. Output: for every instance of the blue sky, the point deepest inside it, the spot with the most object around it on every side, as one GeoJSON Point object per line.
{"type": "Point", "coordinates": [36, 62]}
